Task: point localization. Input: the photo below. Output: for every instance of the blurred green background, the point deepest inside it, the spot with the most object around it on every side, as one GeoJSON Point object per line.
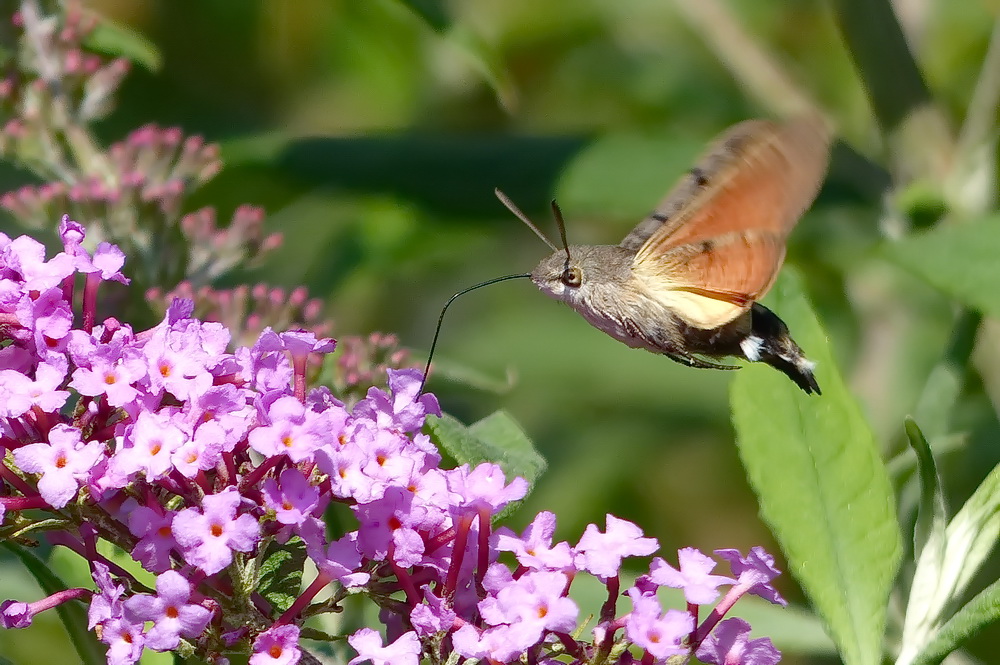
{"type": "Point", "coordinates": [374, 134]}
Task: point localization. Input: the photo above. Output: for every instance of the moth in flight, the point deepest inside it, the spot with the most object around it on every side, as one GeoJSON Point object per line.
{"type": "Point", "coordinates": [685, 281]}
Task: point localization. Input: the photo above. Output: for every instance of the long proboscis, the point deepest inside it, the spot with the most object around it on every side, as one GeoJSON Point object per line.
{"type": "Point", "coordinates": [437, 331]}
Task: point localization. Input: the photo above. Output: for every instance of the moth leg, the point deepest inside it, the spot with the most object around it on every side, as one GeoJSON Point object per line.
{"type": "Point", "coordinates": [693, 361]}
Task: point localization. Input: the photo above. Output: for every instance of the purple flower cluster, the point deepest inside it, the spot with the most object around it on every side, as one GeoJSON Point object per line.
{"type": "Point", "coordinates": [200, 461]}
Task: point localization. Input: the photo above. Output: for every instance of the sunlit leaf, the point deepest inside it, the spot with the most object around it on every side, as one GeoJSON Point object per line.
{"type": "Point", "coordinates": [942, 578]}
{"type": "Point", "coordinates": [519, 455]}
{"type": "Point", "coordinates": [496, 438]}
{"type": "Point", "coordinates": [979, 612]}
{"type": "Point", "coordinates": [281, 573]}
{"type": "Point", "coordinates": [932, 516]}
{"type": "Point", "coordinates": [823, 489]}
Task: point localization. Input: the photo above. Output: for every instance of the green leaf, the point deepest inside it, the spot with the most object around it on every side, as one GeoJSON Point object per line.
{"type": "Point", "coordinates": [73, 614]}
{"type": "Point", "coordinates": [488, 62]}
{"type": "Point", "coordinates": [496, 438]}
{"type": "Point", "coordinates": [457, 443]}
{"type": "Point", "coordinates": [520, 457]}
{"type": "Point", "coordinates": [882, 58]}
{"type": "Point", "coordinates": [482, 55]}
{"type": "Point", "coordinates": [929, 547]}
{"type": "Point", "coordinates": [433, 12]}
{"type": "Point", "coordinates": [940, 580]}
{"type": "Point", "coordinates": [932, 514]}
{"type": "Point", "coordinates": [960, 260]}
{"type": "Point", "coordinates": [944, 385]}
{"type": "Point", "coordinates": [978, 613]}
{"type": "Point", "coordinates": [972, 533]}
{"type": "Point", "coordinates": [119, 41]}
{"type": "Point", "coordinates": [281, 573]}
{"type": "Point", "coordinates": [823, 489]}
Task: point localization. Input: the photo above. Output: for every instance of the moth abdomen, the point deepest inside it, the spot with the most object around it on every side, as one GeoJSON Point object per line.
{"type": "Point", "coordinates": [770, 342]}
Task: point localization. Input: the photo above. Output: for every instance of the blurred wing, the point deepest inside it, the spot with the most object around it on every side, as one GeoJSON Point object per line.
{"type": "Point", "coordinates": [716, 242]}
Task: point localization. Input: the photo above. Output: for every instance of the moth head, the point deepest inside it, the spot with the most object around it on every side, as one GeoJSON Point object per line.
{"type": "Point", "coordinates": [560, 275]}
{"type": "Point", "coordinates": [585, 273]}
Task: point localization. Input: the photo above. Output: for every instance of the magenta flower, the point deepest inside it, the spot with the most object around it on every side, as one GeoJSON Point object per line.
{"type": "Point", "coordinates": [485, 487]}
{"type": "Point", "coordinates": [108, 374]}
{"type": "Point", "coordinates": [730, 644]}
{"type": "Point", "coordinates": [303, 342]}
{"type": "Point", "coordinates": [278, 645]}
{"type": "Point", "coordinates": [601, 553]}
{"type": "Point", "coordinates": [368, 643]}
{"type": "Point", "coordinates": [107, 602]}
{"type": "Point", "coordinates": [202, 451]}
{"type": "Point", "coordinates": [433, 616]}
{"type": "Point", "coordinates": [107, 262]}
{"type": "Point", "coordinates": [64, 463]}
{"type": "Point", "coordinates": [291, 497]}
{"type": "Point", "coordinates": [404, 407]}
{"type": "Point", "coordinates": [124, 639]}
{"type": "Point", "coordinates": [534, 549]}
{"type": "Point", "coordinates": [19, 393]}
{"type": "Point", "coordinates": [15, 614]}
{"type": "Point", "coordinates": [148, 448]}
{"type": "Point", "coordinates": [170, 612]}
{"type": "Point", "coordinates": [208, 537]}
{"type": "Point", "coordinates": [755, 572]}
{"type": "Point", "coordinates": [156, 539]}
{"type": "Point", "coordinates": [661, 635]}
{"type": "Point", "coordinates": [699, 586]}
{"type": "Point", "coordinates": [527, 608]}
{"type": "Point", "coordinates": [293, 430]}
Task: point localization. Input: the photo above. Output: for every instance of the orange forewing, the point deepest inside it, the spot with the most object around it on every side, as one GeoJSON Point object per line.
{"type": "Point", "coordinates": [722, 230]}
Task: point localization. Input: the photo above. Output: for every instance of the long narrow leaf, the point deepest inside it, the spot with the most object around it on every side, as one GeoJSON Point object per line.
{"type": "Point", "coordinates": [823, 489]}
{"type": "Point", "coordinates": [876, 43]}
{"type": "Point", "coordinates": [981, 611]}
{"type": "Point", "coordinates": [72, 614]}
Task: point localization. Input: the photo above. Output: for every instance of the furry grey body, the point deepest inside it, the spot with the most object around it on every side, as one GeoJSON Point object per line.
{"type": "Point", "coordinates": [613, 301]}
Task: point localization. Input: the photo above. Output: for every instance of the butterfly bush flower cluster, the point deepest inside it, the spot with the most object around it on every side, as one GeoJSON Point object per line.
{"type": "Point", "coordinates": [131, 192]}
{"type": "Point", "coordinates": [203, 463]}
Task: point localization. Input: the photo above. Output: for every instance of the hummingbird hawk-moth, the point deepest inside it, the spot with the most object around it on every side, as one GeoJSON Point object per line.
{"type": "Point", "coordinates": [685, 281]}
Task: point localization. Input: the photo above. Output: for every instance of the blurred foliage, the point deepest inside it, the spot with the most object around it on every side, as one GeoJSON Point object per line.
{"type": "Point", "coordinates": [374, 132]}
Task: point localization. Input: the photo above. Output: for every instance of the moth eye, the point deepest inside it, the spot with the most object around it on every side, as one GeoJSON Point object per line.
{"type": "Point", "coordinates": [572, 277]}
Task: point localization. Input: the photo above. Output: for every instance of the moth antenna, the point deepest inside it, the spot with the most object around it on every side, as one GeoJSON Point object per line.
{"type": "Point", "coordinates": [437, 331]}
{"type": "Point", "coordinates": [557, 213]}
{"type": "Point", "coordinates": [524, 218]}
